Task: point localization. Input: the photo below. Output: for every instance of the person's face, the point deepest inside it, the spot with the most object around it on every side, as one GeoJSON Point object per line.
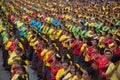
{"type": "Point", "coordinates": [108, 55]}
{"type": "Point", "coordinates": [17, 52]}
{"type": "Point", "coordinates": [94, 50]}
{"type": "Point", "coordinates": [94, 42]}
{"type": "Point", "coordinates": [113, 37]}
{"type": "Point", "coordinates": [21, 72]}
{"type": "Point", "coordinates": [72, 69]}
{"type": "Point", "coordinates": [16, 64]}
{"type": "Point", "coordinates": [65, 66]}
{"type": "Point", "coordinates": [77, 73]}
{"type": "Point", "coordinates": [86, 76]}
{"type": "Point", "coordinates": [116, 63]}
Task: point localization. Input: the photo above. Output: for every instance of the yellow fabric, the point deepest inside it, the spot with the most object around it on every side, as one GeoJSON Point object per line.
{"type": "Point", "coordinates": [48, 19]}
{"type": "Point", "coordinates": [20, 45]}
{"type": "Point", "coordinates": [50, 31]}
{"type": "Point", "coordinates": [111, 67]}
{"type": "Point", "coordinates": [35, 43]}
{"type": "Point", "coordinates": [63, 37]}
{"type": "Point", "coordinates": [15, 77]}
{"type": "Point", "coordinates": [83, 47]}
{"type": "Point", "coordinates": [68, 76]}
{"type": "Point", "coordinates": [58, 34]}
{"type": "Point", "coordinates": [32, 41]}
{"type": "Point", "coordinates": [10, 59]}
{"type": "Point", "coordinates": [45, 58]}
{"type": "Point", "coordinates": [29, 37]}
{"type": "Point", "coordinates": [6, 40]}
{"type": "Point", "coordinates": [59, 73]}
{"type": "Point", "coordinates": [44, 52]}
{"type": "Point", "coordinates": [100, 44]}
{"type": "Point", "coordinates": [76, 78]}
{"type": "Point", "coordinates": [19, 24]}
{"type": "Point", "coordinates": [8, 45]}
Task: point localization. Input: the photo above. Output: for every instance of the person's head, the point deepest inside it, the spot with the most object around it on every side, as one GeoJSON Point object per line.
{"type": "Point", "coordinates": [108, 54]}
{"type": "Point", "coordinates": [96, 49]}
{"type": "Point", "coordinates": [50, 47]}
{"type": "Point", "coordinates": [17, 63]}
{"type": "Point", "coordinates": [57, 57]}
{"type": "Point", "coordinates": [94, 42]}
{"type": "Point", "coordinates": [115, 59]}
{"type": "Point", "coordinates": [65, 65]}
{"type": "Point", "coordinates": [73, 69]}
{"type": "Point", "coordinates": [18, 50]}
{"type": "Point", "coordinates": [109, 35]}
{"type": "Point", "coordinates": [116, 43]}
{"type": "Point", "coordinates": [79, 73]}
{"type": "Point", "coordinates": [114, 37]}
{"type": "Point", "coordinates": [22, 70]}
{"type": "Point", "coordinates": [88, 73]}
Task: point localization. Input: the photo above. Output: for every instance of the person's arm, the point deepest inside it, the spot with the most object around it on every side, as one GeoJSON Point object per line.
{"type": "Point", "coordinates": [109, 71]}
{"type": "Point", "coordinates": [117, 74]}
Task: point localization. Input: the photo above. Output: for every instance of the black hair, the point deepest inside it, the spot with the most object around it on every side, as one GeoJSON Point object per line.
{"type": "Point", "coordinates": [79, 71]}
{"type": "Point", "coordinates": [108, 51]}
{"type": "Point", "coordinates": [117, 42]}
{"type": "Point", "coordinates": [19, 49]}
{"type": "Point", "coordinates": [96, 40]}
{"type": "Point", "coordinates": [23, 69]}
{"type": "Point", "coordinates": [57, 58]}
{"type": "Point", "coordinates": [97, 47]}
{"type": "Point", "coordinates": [115, 58]}
{"type": "Point", "coordinates": [90, 72]}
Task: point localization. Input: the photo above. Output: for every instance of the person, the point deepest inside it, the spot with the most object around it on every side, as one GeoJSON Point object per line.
{"type": "Point", "coordinates": [113, 70]}
{"type": "Point", "coordinates": [64, 70]}
{"type": "Point", "coordinates": [15, 53]}
{"type": "Point", "coordinates": [78, 75]}
{"type": "Point", "coordinates": [21, 74]}
{"type": "Point", "coordinates": [71, 73]}
{"type": "Point", "coordinates": [88, 74]}
{"type": "Point", "coordinates": [104, 62]}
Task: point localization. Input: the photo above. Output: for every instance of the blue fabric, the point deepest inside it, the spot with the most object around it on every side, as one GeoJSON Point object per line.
{"type": "Point", "coordinates": [33, 23]}
{"type": "Point", "coordinates": [58, 23]}
{"type": "Point", "coordinates": [53, 21]}
{"type": "Point", "coordinates": [83, 23]}
{"type": "Point", "coordinates": [40, 31]}
{"type": "Point", "coordinates": [38, 25]}
{"type": "Point", "coordinates": [21, 34]}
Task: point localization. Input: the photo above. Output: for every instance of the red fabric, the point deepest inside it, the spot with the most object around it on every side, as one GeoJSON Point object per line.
{"type": "Point", "coordinates": [38, 50]}
{"type": "Point", "coordinates": [12, 46]}
{"type": "Point", "coordinates": [105, 40]}
{"type": "Point", "coordinates": [95, 60]}
{"type": "Point", "coordinates": [50, 58]}
{"type": "Point", "coordinates": [102, 65]}
{"type": "Point", "coordinates": [90, 49]}
{"type": "Point", "coordinates": [109, 41]}
{"type": "Point", "coordinates": [14, 71]}
{"type": "Point", "coordinates": [54, 69]}
{"type": "Point", "coordinates": [117, 51]}
{"type": "Point", "coordinates": [76, 48]}
{"type": "Point", "coordinates": [28, 18]}
{"type": "Point", "coordinates": [9, 16]}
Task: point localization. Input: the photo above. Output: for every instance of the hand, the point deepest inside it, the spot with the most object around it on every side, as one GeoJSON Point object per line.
{"type": "Point", "coordinates": [108, 64]}
{"type": "Point", "coordinates": [103, 73]}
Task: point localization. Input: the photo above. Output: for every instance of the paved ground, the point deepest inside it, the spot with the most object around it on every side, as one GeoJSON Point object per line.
{"type": "Point", "coordinates": [5, 75]}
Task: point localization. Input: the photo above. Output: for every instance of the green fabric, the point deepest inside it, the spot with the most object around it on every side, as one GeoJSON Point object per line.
{"type": "Point", "coordinates": [118, 23]}
{"type": "Point", "coordinates": [105, 28]}
{"type": "Point", "coordinates": [47, 29]}
{"type": "Point", "coordinates": [96, 24]}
